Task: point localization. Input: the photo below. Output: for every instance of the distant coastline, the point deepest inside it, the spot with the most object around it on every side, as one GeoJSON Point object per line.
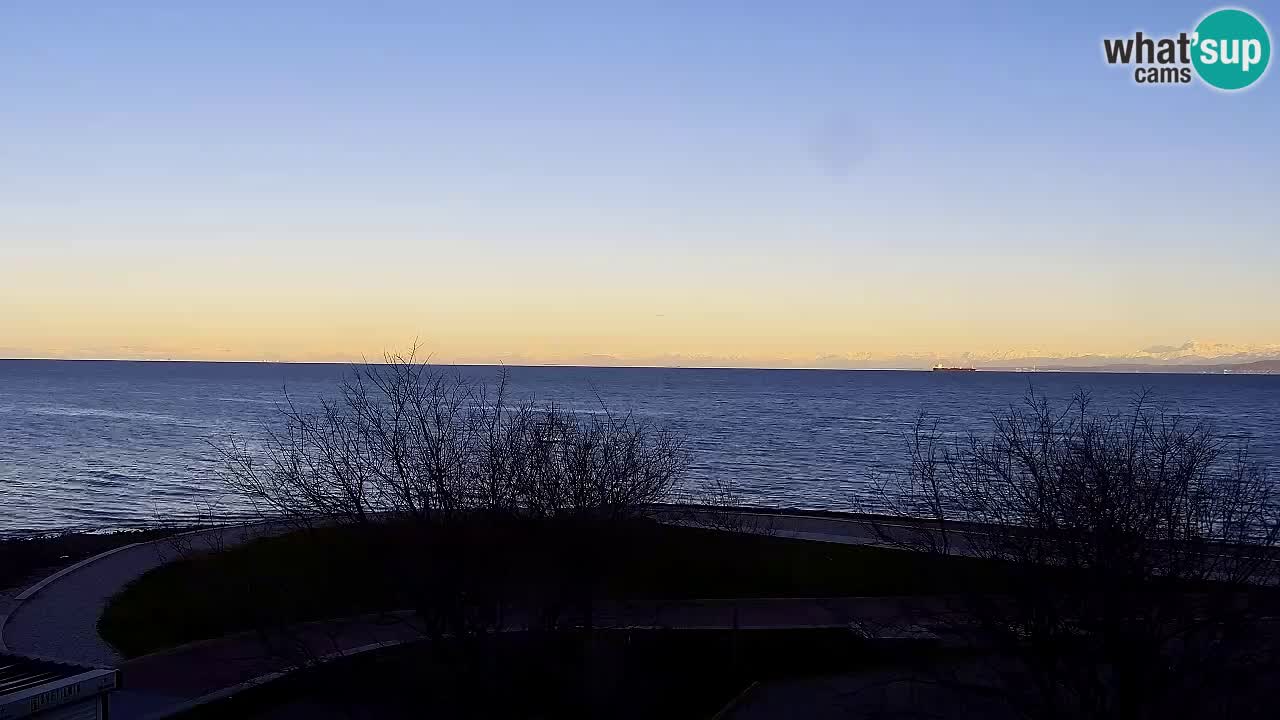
{"type": "Point", "coordinates": [1258, 367]}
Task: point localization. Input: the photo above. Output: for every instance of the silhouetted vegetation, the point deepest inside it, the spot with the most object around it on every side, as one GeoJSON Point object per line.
{"type": "Point", "coordinates": [444, 463]}
{"type": "Point", "coordinates": [420, 444]}
{"type": "Point", "coordinates": [1141, 553]}
{"type": "Point", "coordinates": [341, 571]}
{"type": "Point", "coordinates": [1076, 562]}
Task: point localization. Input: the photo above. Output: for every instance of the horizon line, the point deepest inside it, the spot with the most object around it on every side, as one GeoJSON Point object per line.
{"type": "Point", "coordinates": [1012, 369]}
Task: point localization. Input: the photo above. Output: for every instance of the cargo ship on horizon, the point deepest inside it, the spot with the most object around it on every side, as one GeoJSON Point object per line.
{"type": "Point", "coordinates": [942, 368]}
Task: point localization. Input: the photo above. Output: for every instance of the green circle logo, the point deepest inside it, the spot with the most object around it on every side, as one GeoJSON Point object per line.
{"type": "Point", "coordinates": [1232, 49]}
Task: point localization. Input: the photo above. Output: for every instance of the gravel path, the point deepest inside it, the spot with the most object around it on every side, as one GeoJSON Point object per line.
{"type": "Point", "coordinates": [60, 621]}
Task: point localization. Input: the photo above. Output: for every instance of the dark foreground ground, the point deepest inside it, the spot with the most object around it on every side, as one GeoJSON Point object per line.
{"type": "Point", "coordinates": [336, 572]}
{"type": "Point", "coordinates": [676, 626]}
{"type": "Point", "coordinates": [740, 632]}
{"type": "Point", "coordinates": [614, 674]}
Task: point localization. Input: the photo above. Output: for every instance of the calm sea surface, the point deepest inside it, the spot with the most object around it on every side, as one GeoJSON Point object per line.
{"type": "Point", "coordinates": [110, 444]}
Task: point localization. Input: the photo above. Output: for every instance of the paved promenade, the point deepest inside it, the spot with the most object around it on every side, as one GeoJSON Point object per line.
{"type": "Point", "coordinates": [57, 617]}
{"type": "Point", "coordinates": [166, 682]}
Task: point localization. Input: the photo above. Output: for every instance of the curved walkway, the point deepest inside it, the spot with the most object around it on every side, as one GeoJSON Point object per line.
{"type": "Point", "coordinates": [825, 526]}
{"type": "Point", "coordinates": [58, 617]}
{"type": "Point", "coordinates": [169, 682]}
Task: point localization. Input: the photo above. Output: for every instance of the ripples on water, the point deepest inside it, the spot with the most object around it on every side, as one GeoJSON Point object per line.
{"type": "Point", "coordinates": [109, 444]}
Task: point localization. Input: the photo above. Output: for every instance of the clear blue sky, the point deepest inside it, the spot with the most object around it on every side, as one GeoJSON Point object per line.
{"type": "Point", "coordinates": [556, 180]}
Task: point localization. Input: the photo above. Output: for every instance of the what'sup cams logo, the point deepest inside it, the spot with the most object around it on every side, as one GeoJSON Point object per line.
{"type": "Point", "coordinates": [1228, 50]}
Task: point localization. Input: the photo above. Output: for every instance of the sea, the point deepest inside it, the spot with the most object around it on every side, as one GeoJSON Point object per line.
{"type": "Point", "coordinates": [93, 445]}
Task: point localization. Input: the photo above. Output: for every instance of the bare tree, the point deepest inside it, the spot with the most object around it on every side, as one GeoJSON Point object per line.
{"type": "Point", "coordinates": [436, 465]}
{"type": "Point", "coordinates": [1136, 551]}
